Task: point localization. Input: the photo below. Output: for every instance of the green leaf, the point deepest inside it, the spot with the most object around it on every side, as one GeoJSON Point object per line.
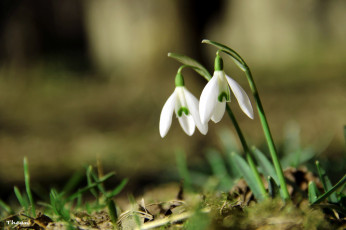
{"type": "Point", "coordinates": [312, 192]}
{"type": "Point", "coordinates": [112, 209]}
{"type": "Point", "coordinates": [228, 141]}
{"type": "Point", "coordinates": [183, 170]}
{"type": "Point", "coordinates": [273, 188]}
{"type": "Point", "coordinates": [219, 169]}
{"type": "Point", "coordinates": [327, 184]}
{"type": "Point", "coordinates": [5, 207]}
{"type": "Point", "coordinates": [22, 201]}
{"type": "Point", "coordinates": [89, 180]}
{"type": "Point", "coordinates": [72, 182]}
{"type": "Point", "coordinates": [243, 169]}
{"type": "Point", "coordinates": [54, 201]}
{"type": "Point", "coordinates": [27, 186]}
{"type": "Point", "coordinates": [92, 185]}
{"type": "Point", "coordinates": [198, 221]}
{"type": "Point", "coordinates": [118, 189]}
{"type": "Point", "coordinates": [58, 205]}
{"type": "Point", "coordinates": [196, 66]}
{"type": "Point", "coordinates": [266, 166]}
{"type": "Point", "coordinates": [234, 55]}
{"type": "Point", "coordinates": [341, 183]}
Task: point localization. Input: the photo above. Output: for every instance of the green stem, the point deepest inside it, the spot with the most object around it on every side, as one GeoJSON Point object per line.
{"type": "Point", "coordinates": [268, 135]}
{"type": "Point", "coordinates": [27, 186]}
{"type": "Point", "coordinates": [247, 151]}
{"type": "Point", "coordinates": [243, 66]}
{"type": "Point", "coordinates": [112, 210]}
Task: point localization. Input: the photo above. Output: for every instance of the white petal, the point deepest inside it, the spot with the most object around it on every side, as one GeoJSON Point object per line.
{"type": "Point", "coordinates": [187, 124]}
{"type": "Point", "coordinates": [192, 103]}
{"type": "Point", "coordinates": [219, 111]}
{"type": "Point", "coordinates": [242, 98]}
{"type": "Point", "coordinates": [208, 100]}
{"type": "Point", "coordinates": [166, 115]}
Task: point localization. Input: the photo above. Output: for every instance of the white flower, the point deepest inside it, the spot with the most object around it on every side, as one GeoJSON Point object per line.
{"type": "Point", "coordinates": [185, 106]}
{"type": "Point", "coordinates": [217, 92]}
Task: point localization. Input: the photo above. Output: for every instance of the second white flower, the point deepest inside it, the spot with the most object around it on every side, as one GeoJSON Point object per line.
{"type": "Point", "coordinates": [217, 92]}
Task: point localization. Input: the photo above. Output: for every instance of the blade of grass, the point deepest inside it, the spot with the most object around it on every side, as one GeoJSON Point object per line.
{"type": "Point", "coordinates": [244, 170]}
{"type": "Point", "coordinates": [5, 207]}
{"type": "Point", "coordinates": [183, 170]}
{"type": "Point", "coordinates": [93, 185]}
{"type": "Point", "coordinates": [89, 180]}
{"type": "Point", "coordinates": [228, 141]}
{"type": "Point", "coordinates": [27, 186]}
{"type": "Point", "coordinates": [72, 182]}
{"type": "Point", "coordinates": [112, 209]}
{"type": "Point", "coordinates": [100, 186]}
{"type": "Point", "coordinates": [58, 205]}
{"type": "Point", "coordinates": [312, 192]}
{"type": "Point", "coordinates": [272, 187]}
{"type": "Point", "coordinates": [23, 202]}
{"type": "Point", "coordinates": [53, 201]}
{"type": "Point", "coordinates": [219, 169]}
{"type": "Point", "coordinates": [44, 204]}
{"type": "Point", "coordinates": [266, 166]}
{"type": "Point", "coordinates": [118, 189]}
{"type": "Point", "coordinates": [79, 201]}
{"type": "Point", "coordinates": [327, 184]}
{"type": "Point", "coordinates": [333, 189]}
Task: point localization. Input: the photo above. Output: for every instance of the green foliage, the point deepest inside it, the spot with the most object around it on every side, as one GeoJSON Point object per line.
{"type": "Point", "coordinates": [340, 198]}
{"type": "Point", "coordinates": [294, 154]}
{"type": "Point", "coordinates": [198, 221]}
{"type": "Point", "coordinates": [219, 169]}
{"type": "Point", "coordinates": [234, 55]}
{"type": "Point", "coordinates": [196, 66]}
{"type": "Point", "coordinates": [243, 169]}
{"type": "Point", "coordinates": [23, 201]}
{"type": "Point", "coordinates": [228, 141]}
{"type": "Point", "coordinates": [336, 199]}
{"type": "Point", "coordinates": [327, 184]}
{"type": "Point", "coordinates": [5, 207]}
{"type": "Point", "coordinates": [265, 165]}
{"type": "Point", "coordinates": [273, 188]}
{"type": "Point", "coordinates": [183, 170]}
{"type": "Point", "coordinates": [57, 203]}
{"type": "Point", "coordinates": [313, 192]}
{"type": "Point", "coordinates": [62, 203]}
{"type": "Point", "coordinates": [27, 186]}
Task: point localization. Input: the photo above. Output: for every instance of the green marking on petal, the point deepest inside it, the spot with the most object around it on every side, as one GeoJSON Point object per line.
{"type": "Point", "coordinates": [223, 95]}
{"type": "Point", "coordinates": [183, 110]}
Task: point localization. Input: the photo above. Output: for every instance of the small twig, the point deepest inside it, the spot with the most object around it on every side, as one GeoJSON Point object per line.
{"type": "Point", "coordinates": [170, 219]}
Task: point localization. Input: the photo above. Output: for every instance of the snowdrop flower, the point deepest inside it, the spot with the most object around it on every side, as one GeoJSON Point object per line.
{"type": "Point", "coordinates": [185, 106]}
{"type": "Point", "coordinates": [216, 93]}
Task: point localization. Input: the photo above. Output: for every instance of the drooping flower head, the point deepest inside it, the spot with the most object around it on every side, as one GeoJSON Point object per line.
{"type": "Point", "coordinates": [185, 106]}
{"type": "Point", "coordinates": [217, 92]}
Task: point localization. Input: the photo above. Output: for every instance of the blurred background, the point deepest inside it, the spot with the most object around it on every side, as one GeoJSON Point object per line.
{"type": "Point", "coordinates": [82, 80]}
